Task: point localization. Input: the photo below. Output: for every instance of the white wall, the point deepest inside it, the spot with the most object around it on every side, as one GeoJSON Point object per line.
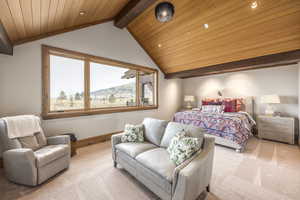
{"type": "Point", "coordinates": [20, 80]}
{"type": "Point", "coordinates": [279, 80]}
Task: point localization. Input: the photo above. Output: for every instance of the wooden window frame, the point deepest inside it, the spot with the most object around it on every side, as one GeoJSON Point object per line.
{"type": "Point", "coordinates": [87, 58]}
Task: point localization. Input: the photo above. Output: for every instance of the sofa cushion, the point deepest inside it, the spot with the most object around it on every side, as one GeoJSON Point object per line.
{"type": "Point", "coordinates": [133, 149]}
{"type": "Point", "coordinates": [173, 128]}
{"type": "Point", "coordinates": [183, 147]}
{"type": "Point", "coordinates": [158, 160]}
{"type": "Point", "coordinates": [50, 153]}
{"type": "Point", "coordinates": [133, 133]}
{"type": "Point", "coordinates": [154, 130]}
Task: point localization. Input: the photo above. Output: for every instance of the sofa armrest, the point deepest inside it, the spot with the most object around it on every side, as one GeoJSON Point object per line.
{"type": "Point", "coordinates": [115, 139]}
{"type": "Point", "coordinates": [59, 139]}
{"type": "Point", "coordinates": [20, 166]}
{"type": "Point", "coordinates": [195, 177]}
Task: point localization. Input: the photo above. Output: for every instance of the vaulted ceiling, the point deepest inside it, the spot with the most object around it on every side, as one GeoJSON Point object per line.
{"type": "Point", "coordinates": [234, 31]}
{"type": "Point", "coordinates": [26, 20]}
{"type": "Point", "coordinates": [204, 36]}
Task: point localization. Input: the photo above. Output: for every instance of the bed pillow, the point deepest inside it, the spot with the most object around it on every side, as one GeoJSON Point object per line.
{"type": "Point", "coordinates": [133, 133]}
{"type": "Point", "coordinates": [230, 105]}
{"type": "Point", "coordinates": [183, 147]}
{"type": "Point", "coordinates": [212, 108]}
{"type": "Point", "coordinates": [211, 102]}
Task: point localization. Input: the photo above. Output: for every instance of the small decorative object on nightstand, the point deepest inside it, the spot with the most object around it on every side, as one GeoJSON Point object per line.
{"type": "Point", "coordinates": [189, 100]}
{"type": "Point", "coordinates": [281, 129]}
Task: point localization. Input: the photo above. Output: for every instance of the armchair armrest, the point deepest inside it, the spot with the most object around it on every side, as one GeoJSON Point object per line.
{"type": "Point", "coordinates": [115, 139]}
{"type": "Point", "coordinates": [20, 167]}
{"type": "Point", "coordinates": [195, 176]}
{"type": "Point", "coordinates": [59, 139]}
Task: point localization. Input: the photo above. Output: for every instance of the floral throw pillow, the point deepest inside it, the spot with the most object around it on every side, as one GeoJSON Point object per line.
{"type": "Point", "coordinates": [182, 147]}
{"type": "Point", "coordinates": [133, 133]}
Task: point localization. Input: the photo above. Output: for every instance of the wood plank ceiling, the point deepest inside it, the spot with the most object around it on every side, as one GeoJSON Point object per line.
{"type": "Point", "coordinates": [26, 20]}
{"type": "Point", "coordinates": [236, 31]}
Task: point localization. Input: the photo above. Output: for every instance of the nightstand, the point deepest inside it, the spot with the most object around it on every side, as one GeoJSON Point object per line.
{"type": "Point", "coordinates": [280, 129]}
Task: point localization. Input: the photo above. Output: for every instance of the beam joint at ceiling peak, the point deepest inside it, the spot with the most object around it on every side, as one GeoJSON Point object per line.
{"type": "Point", "coordinates": [6, 46]}
{"type": "Point", "coordinates": [132, 10]}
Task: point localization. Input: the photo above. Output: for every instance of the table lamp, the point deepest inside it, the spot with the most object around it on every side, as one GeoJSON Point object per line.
{"type": "Point", "coordinates": [269, 100]}
{"type": "Point", "coordinates": [189, 100]}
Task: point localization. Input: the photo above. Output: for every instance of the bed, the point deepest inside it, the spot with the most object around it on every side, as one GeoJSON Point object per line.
{"type": "Point", "coordinates": [230, 129]}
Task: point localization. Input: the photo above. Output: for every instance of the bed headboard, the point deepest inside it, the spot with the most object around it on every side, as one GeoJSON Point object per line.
{"type": "Point", "coordinates": [249, 105]}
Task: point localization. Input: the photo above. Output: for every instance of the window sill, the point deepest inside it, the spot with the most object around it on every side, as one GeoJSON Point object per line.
{"type": "Point", "coordinates": [69, 114]}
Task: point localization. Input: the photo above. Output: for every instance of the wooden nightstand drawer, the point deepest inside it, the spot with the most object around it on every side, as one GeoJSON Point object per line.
{"type": "Point", "coordinates": [276, 128]}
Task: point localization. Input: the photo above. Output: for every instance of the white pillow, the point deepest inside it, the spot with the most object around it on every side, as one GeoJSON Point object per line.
{"type": "Point", "coordinates": [213, 108]}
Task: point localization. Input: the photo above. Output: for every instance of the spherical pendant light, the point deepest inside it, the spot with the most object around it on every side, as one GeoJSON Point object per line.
{"type": "Point", "coordinates": [164, 11]}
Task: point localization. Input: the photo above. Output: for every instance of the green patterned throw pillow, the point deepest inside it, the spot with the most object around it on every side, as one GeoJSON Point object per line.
{"type": "Point", "coordinates": [133, 133]}
{"type": "Point", "coordinates": [182, 147]}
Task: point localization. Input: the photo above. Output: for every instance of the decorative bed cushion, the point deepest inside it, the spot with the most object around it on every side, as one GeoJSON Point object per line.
{"type": "Point", "coordinates": [174, 128]}
{"type": "Point", "coordinates": [183, 147]}
{"type": "Point", "coordinates": [213, 108]}
{"type": "Point", "coordinates": [134, 149]}
{"type": "Point", "coordinates": [133, 133]}
{"type": "Point", "coordinates": [154, 130]}
{"type": "Point", "coordinates": [29, 142]}
{"type": "Point", "coordinates": [206, 102]}
{"type": "Point", "coordinates": [230, 105]}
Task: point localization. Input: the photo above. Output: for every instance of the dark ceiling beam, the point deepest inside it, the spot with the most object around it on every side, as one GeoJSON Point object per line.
{"type": "Point", "coordinates": [133, 9]}
{"type": "Point", "coordinates": [5, 45]}
{"type": "Point", "coordinates": [273, 60]}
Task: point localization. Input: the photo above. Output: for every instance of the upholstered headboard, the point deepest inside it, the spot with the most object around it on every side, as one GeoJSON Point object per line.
{"type": "Point", "coordinates": [249, 105]}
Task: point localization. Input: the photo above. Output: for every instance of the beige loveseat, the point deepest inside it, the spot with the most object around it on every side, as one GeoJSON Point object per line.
{"type": "Point", "coordinates": [150, 163]}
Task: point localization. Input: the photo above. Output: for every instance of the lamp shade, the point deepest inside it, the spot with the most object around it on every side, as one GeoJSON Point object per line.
{"type": "Point", "coordinates": [189, 98]}
{"type": "Point", "coordinates": [274, 98]}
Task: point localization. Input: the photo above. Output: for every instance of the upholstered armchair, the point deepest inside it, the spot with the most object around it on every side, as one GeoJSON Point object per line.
{"type": "Point", "coordinates": [32, 160]}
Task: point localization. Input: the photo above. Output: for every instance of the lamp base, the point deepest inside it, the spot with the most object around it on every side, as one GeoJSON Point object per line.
{"type": "Point", "coordinates": [269, 111]}
{"type": "Point", "coordinates": [189, 105]}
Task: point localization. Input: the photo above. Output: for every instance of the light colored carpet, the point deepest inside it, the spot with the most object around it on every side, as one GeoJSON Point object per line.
{"type": "Point", "coordinates": [267, 170]}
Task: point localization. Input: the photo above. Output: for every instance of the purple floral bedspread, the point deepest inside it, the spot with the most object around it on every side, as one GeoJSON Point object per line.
{"type": "Point", "coordinates": [231, 126]}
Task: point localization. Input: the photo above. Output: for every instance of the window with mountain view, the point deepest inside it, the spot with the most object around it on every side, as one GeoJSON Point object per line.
{"type": "Point", "coordinates": [77, 84]}
{"type": "Point", "coordinates": [66, 83]}
{"type": "Point", "coordinates": [112, 86]}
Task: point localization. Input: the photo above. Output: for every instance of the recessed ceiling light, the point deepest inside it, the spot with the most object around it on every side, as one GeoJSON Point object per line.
{"type": "Point", "coordinates": [254, 5]}
{"type": "Point", "coordinates": [81, 13]}
{"type": "Point", "coordinates": [159, 45]}
{"type": "Point", "coordinates": [206, 26]}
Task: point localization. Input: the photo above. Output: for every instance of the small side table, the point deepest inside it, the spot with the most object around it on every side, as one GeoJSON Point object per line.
{"type": "Point", "coordinates": [73, 139]}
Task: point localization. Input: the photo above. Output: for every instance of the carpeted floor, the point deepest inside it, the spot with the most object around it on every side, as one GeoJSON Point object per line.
{"type": "Point", "coordinates": [266, 171]}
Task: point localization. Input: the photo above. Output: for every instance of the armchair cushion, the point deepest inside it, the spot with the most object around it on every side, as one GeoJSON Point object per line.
{"type": "Point", "coordinates": [50, 153]}
{"type": "Point", "coordinates": [41, 139]}
{"type": "Point", "coordinates": [154, 130]}
{"type": "Point", "coordinates": [158, 160]}
{"type": "Point", "coordinates": [29, 142]}
{"type": "Point", "coordinates": [134, 149]}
